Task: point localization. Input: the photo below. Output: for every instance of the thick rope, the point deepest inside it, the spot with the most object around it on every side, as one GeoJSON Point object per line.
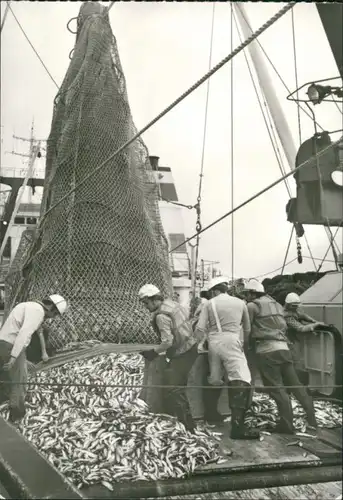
{"type": "Point", "coordinates": [257, 195]}
{"type": "Point", "coordinates": [228, 58]}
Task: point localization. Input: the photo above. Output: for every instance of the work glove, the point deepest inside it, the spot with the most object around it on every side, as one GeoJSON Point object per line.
{"type": "Point", "coordinates": [149, 355]}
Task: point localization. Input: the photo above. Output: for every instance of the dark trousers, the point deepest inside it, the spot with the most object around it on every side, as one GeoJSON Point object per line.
{"type": "Point", "coordinates": [175, 398]}
{"type": "Point", "coordinates": [14, 388]}
{"type": "Point", "coordinates": [277, 370]}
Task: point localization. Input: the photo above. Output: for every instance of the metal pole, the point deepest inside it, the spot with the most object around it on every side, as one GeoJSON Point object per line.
{"type": "Point", "coordinates": [14, 214]}
{"type": "Point", "coordinates": [276, 111]}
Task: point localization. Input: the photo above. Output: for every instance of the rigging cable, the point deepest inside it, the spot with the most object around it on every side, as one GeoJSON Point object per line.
{"type": "Point", "coordinates": [287, 251]}
{"type": "Point", "coordinates": [232, 152]}
{"type": "Point", "coordinates": [201, 175]}
{"type": "Point", "coordinates": [35, 51]}
{"type": "Point", "coordinates": [273, 140]}
{"type": "Point", "coordinates": [191, 89]}
{"type": "Point", "coordinates": [4, 18]}
{"type": "Point", "coordinates": [260, 193]}
{"type": "Point", "coordinates": [299, 123]}
{"type": "Point", "coordinates": [296, 74]}
{"type": "Point", "coordinates": [327, 251]}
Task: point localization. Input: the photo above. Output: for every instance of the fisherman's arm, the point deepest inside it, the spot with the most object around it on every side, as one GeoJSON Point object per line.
{"type": "Point", "coordinates": [246, 324]}
{"type": "Point", "coordinates": [164, 325]}
{"type": "Point", "coordinates": [32, 322]}
{"type": "Point", "coordinates": [45, 356]}
{"type": "Point", "coordinates": [296, 326]}
{"type": "Point", "coordinates": [253, 312]}
{"type": "Point", "coordinates": [201, 327]}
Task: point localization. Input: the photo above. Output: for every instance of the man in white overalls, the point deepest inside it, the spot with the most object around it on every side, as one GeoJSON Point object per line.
{"type": "Point", "coordinates": [221, 319]}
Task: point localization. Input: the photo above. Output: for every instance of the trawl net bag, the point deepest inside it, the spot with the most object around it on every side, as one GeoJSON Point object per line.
{"type": "Point", "coordinates": [105, 240]}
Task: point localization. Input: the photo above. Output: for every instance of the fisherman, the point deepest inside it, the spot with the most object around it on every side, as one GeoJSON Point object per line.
{"type": "Point", "coordinates": [221, 318]}
{"type": "Point", "coordinates": [15, 336]}
{"type": "Point", "coordinates": [171, 323]}
{"type": "Point", "coordinates": [274, 360]}
{"type": "Point", "coordinates": [298, 323]}
{"type": "Point", "coordinates": [210, 397]}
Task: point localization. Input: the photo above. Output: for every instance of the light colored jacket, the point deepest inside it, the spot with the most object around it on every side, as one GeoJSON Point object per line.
{"type": "Point", "coordinates": [21, 324]}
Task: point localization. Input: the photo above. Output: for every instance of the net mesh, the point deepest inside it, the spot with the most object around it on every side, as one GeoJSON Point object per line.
{"type": "Point", "coordinates": [101, 244]}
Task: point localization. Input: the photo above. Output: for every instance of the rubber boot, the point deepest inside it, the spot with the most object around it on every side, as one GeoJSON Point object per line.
{"type": "Point", "coordinates": [238, 428]}
{"type": "Point", "coordinates": [240, 399]}
{"type": "Point", "coordinates": [211, 399]}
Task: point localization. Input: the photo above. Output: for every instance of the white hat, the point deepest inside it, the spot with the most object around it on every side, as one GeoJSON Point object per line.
{"type": "Point", "coordinates": [292, 298]}
{"type": "Point", "coordinates": [218, 281]}
{"type": "Point", "coordinates": [254, 286]}
{"type": "Point", "coordinates": [148, 290]}
{"type": "Point", "coordinates": [59, 302]}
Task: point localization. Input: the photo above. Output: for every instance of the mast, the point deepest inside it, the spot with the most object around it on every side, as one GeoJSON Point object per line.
{"type": "Point", "coordinates": [331, 15]}
{"type": "Point", "coordinates": [266, 85]}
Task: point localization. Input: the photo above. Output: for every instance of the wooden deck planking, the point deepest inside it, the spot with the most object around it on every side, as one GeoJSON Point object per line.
{"type": "Point", "coordinates": [273, 449]}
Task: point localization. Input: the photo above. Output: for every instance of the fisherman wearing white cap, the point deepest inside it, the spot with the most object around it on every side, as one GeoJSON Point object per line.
{"type": "Point", "coordinates": [15, 336]}
{"type": "Point", "coordinates": [274, 360]}
{"type": "Point", "coordinates": [171, 323]}
{"type": "Point", "coordinates": [298, 324]}
{"type": "Point", "coordinates": [221, 317]}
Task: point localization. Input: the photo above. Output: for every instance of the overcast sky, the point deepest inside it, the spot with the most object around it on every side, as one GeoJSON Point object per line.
{"type": "Point", "coordinates": [164, 49]}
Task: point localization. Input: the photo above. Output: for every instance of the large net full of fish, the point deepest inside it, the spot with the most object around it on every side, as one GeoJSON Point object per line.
{"type": "Point", "coordinates": [105, 240]}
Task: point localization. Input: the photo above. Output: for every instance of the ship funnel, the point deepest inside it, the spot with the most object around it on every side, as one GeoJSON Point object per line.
{"type": "Point", "coordinates": [154, 162]}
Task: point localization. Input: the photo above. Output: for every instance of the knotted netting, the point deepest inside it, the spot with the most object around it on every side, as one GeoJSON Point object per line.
{"type": "Point", "coordinates": [105, 240]}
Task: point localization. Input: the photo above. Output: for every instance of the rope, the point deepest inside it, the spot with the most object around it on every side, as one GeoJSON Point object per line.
{"type": "Point", "coordinates": [35, 51]}
{"type": "Point", "coordinates": [257, 195]}
{"type": "Point", "coordinates": [232, 152]}
{"type": "Point", "coordinates": [296, 73]}
{"type": "Point", "coordinates": [160, 386]}
{"type": "Point", "coordinates": [201, 175]}
{"type": "Point", "coordinates": [228, 58]}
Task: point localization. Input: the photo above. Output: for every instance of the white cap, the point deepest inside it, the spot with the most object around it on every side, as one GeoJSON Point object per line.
{"type": "Point", "coordinates": [59, 302]}
{"type": "Point", "coordinates": [148, 290]}
{"type": "Point", "coordinates": [254, 286]}
{"type": "Point", "coordinates": [218, 281]}
{"type": "Point", "coordinates": [292, 298]}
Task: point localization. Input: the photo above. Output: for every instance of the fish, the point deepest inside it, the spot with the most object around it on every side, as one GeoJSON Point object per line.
{"type": "Point", "coordinates": [102, 435]}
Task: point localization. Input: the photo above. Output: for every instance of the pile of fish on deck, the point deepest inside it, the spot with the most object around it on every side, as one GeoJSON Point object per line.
{"type": "Point", "coordinates": [102, 434]}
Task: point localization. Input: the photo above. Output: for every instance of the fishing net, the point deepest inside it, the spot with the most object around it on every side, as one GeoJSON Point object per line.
{"type": "Point", "coordinates": [104, 241]}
